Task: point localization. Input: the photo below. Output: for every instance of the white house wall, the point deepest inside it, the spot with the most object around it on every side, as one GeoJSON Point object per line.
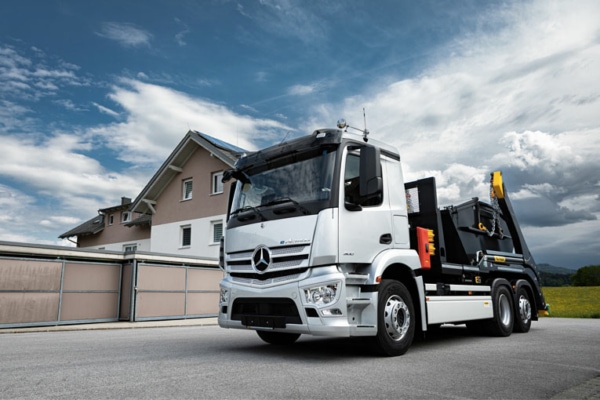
{"type": "Point", "coordinates": [166, 238]}
{"type": "Point", "coordinates": [142, 245]}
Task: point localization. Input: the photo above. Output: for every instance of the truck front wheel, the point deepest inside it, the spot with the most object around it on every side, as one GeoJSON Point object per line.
{"type": "Point", "coordinates": [395, 319]}
{"type": "Point", "coordinates": [279, 338]}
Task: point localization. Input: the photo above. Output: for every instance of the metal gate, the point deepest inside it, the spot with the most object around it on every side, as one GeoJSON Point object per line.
{"type": "Point", "coordinates": [174, 291]}
{"type": "Point", "coordinates": [39, 292]}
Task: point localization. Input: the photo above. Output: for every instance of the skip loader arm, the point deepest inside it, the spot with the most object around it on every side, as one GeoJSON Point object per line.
{"type": "Point", "coordinates": [499, 191]}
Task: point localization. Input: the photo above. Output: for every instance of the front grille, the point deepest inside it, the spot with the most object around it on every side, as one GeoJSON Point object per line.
{"type": "Point", "coordinates": [261, 280]}
{"type": "Point", "coordinates": [291, 259]}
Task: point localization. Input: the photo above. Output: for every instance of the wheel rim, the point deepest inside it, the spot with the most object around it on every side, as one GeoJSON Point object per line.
{"type": "Point", "coordinates": [524, 309]}
{"type": "Point", "coordinates": [504, 310]}
{"type": "Point", "coordinates": [396, 317]}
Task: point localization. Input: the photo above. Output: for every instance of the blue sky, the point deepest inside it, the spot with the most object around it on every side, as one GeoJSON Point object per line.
{"type": "Point", "coordinates": [95, 95]}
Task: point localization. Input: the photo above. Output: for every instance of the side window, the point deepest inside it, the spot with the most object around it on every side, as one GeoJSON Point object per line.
{"type": "Point", "coordinates": [128, 248]}
{"type": "Point", "coordinates": [186, 236]}
{"type": "Point", "coordinates": [351, 179]}
{"type": "Point", "coordinates": [125, 216]}
{"type": "Point", "coordinates": [217, 184]}
{"type": "Point", "coordinates": [187, 189]}
{"type": "Point", "coordinates": [217, 231]}
{"type": "Point", "coordinates": [352, 183]}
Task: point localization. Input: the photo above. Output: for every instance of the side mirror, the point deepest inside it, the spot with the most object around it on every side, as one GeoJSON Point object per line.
{"type": "Point", "coordinates": [371, 181]}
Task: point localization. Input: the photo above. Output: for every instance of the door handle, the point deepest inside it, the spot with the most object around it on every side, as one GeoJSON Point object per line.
{"type": "Point", "coordinates": [386, 238]}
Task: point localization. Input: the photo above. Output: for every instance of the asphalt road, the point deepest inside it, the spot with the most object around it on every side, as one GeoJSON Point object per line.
{"type": "Point", "coordinates": [556, 356]}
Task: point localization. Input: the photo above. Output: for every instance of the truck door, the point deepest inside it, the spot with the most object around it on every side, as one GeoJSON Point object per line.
{"type": "Point", "coordinates": [364, 216]}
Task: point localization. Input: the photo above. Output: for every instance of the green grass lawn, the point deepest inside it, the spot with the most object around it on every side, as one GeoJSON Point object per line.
{"type": "Point", "coordinates": [573, 302]}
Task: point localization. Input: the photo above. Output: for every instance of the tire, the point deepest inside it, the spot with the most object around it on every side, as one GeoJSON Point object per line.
{"type": "Point", "coordinates": [503, 321]}
{"type": "Point", "coordinates": [278, 338]}
{"type": "Point", "coordinates": [395, 319]}
{"type": "Point", "coordinates": [522, 311]}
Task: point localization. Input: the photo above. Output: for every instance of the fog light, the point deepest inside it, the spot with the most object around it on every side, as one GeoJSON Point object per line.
{"type": "Point", "coordinates": [331, 312]}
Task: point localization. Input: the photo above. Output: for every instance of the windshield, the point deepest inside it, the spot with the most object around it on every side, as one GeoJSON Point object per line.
{"type": "Point", "coordinates": [295, 181]}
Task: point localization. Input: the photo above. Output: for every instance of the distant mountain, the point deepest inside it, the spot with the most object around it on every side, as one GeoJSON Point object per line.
{"type": "Point", "coordinates": [555, 276]}
{"type": "Point", "coordinates": [556, 270]}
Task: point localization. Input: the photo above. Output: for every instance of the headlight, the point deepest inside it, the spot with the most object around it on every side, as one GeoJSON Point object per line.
{"type": "Point", "coordinates": [321, 295]}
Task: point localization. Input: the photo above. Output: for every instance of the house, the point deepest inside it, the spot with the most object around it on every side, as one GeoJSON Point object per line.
{"type": "Point", "coordinates": [114, 228]}
{"type": "Point", "coordinates": [181, 210]}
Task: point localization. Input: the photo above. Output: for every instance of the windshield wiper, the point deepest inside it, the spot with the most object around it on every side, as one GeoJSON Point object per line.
{"type": "Point", "coordinates": [282, 200]}
{"type": "Point", "coordinates": [249, 208]}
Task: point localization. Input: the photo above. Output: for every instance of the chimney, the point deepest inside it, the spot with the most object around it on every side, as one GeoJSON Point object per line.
{"type": "Point", "coordinates": [125, 201]}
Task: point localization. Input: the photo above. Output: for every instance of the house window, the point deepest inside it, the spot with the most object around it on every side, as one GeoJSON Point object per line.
{"type": "Point", "coordinates": [217, 184]}
{"type": "Point", "coordinates": [125, 216]}
{"type": "Point", "coordinates": [129, 248]}
{"type": "Point", "coordinates": [186, 236]}
{"type": "Point", "coordinates": [111, 219]}
{"type": "Point", "coordinates": [217, 231]}
{"type": "Point", "coordinates": [187, 189]}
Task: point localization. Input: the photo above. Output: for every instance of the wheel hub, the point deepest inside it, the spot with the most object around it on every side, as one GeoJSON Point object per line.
{"type": "Point", "coordinates": [524, 309]}
{"type": "Point", "coordinates": [396, 317]}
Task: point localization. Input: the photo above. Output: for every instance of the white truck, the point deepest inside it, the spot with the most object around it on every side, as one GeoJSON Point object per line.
{"type": "Point", "coordinates": [324, 237]}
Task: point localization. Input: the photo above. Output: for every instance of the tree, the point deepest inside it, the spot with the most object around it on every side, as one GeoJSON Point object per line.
{"type": "Point", "coordinates": [587, 276]}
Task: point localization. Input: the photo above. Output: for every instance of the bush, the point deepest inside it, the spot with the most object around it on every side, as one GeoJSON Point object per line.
{"type": "Point", "coordinates": [587, 276]}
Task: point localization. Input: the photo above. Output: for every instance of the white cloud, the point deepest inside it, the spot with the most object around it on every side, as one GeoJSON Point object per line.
{"type": "Point", "coordinates": [126, 34]}
{"type": "Point", "coordinates": [158, 117]}
{"type": "Point", "coordinates": [56, 168]}
{"type": "Point", "coordinates": [179, 37]}
{"type": "Point", "coordinates": [286, 18]}
{"type": "Point", "coordinates": [301, 90]}
{"type": "Point", "coordinates": [23, 78]}
{"type": "Point", "coordinates": [105, 110]}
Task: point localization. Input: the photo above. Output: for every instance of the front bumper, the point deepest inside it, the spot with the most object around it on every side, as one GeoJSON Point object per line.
{"type": "Point", "coordinates": [286, 308]}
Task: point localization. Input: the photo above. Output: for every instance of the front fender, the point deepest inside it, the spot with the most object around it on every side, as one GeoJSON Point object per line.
{"type": "Point", "coordinates": [408, 263]}
{"type": "Point", "coordinates": [407, 257]}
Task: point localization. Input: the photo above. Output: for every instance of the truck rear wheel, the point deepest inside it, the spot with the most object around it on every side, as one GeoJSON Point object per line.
{"type": "Point", "coordinates": [278, 338]}
{"type": "Point", "coordinates": [395, 319]}
{"type": "Point", "coordinates": [502, 323]}
{"type": "Point", "coordinates": [522, 311]}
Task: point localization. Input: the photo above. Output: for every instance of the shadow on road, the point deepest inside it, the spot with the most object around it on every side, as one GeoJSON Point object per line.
{"type": "Point", "coordinates": [320, 348]}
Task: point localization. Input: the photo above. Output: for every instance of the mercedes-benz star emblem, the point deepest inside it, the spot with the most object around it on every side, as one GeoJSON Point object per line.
{"type": "Point", "coordinates": [261, 258]}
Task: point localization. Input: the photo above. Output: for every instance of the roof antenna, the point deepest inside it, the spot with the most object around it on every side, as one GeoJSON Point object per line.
{"type": "Point", "coordinates": [342, 124]}
{"type": "Point", "coordinates": [285, 137]}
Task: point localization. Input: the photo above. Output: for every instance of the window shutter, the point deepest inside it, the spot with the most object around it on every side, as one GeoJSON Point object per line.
{"type": "Point", "coordinates": [217, 232]}
{"type": "Point", "coordinates": [186, 236]}
{"type": "Point", "coordinates": [187, 189]}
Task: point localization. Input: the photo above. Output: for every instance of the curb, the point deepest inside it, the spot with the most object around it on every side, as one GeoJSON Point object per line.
{"type": "Point", "coordinates": [115, 325]}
